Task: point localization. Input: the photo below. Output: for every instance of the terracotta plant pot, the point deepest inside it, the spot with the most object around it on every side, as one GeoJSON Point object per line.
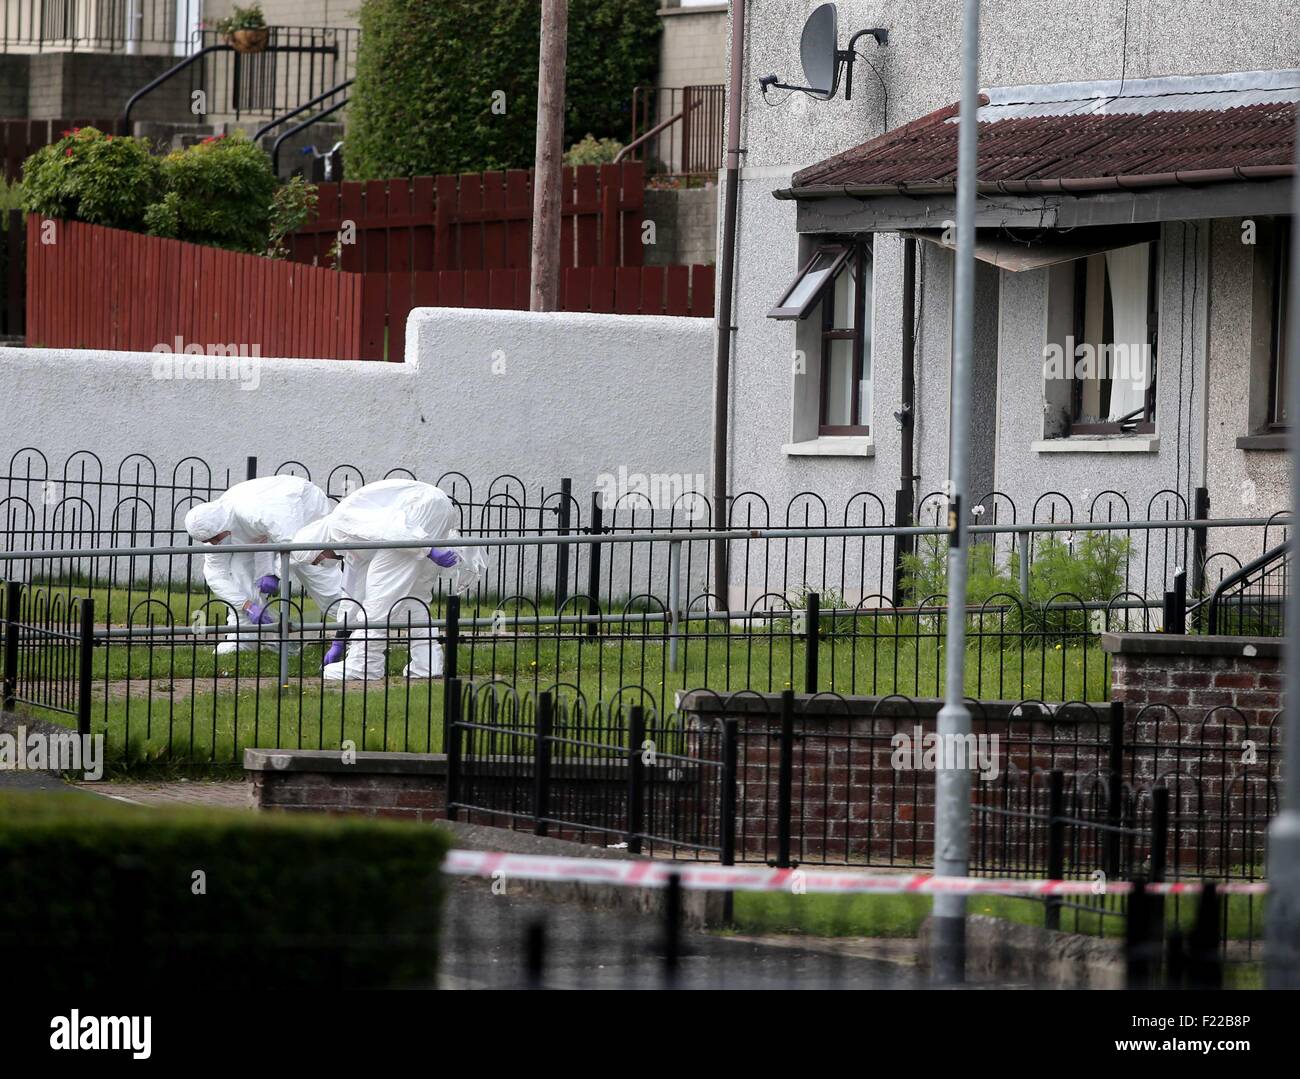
{"type": "Point", "coordinates": [249, 40]}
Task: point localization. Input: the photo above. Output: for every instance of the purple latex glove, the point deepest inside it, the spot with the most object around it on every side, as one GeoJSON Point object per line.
{"type": "Point", "coordinates": [269, 585]}
{"type": "Point", "coordinates": [446, 559]}
{"type": "Point", "coordinates": [259, 615]}
{"type": "Point", "coordinates": [335, 652]}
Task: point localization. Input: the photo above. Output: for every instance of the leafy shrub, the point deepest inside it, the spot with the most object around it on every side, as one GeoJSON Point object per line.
{"type": "Point", "coordinates": [92, 176]}
{"type": "Point", "coordinates": [102, 896]}
{"type": "Point", "coordinates": [593, 151]}
{"type": "Point", "coordinates": [219, 192]}
{"type": "Point", "coordinates": [428, 70]}
{"type": "Point", "coordinates": [292, 207]}
{"type": "Point", "coordinates": [1089, 568]}
{"type": "Point", "coordinates": [11, 194]}
{"type": "Point", "coordinates": [925, 573]}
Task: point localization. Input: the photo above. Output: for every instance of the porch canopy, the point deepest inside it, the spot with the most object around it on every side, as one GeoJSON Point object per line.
{"type": "Point", "coordinates": [1097, 157]}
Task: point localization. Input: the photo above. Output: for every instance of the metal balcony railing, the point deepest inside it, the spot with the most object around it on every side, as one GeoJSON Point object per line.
{"type": "Point", "coordinates": [166, 27]}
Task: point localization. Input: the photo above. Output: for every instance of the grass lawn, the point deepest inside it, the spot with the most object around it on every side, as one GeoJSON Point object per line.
{"type": "Point", "coordinates": [206, 707]}
{"type": "Point", "coordinates": [902, 915]}
{"type": "Point", "coordinates": [174, 698]}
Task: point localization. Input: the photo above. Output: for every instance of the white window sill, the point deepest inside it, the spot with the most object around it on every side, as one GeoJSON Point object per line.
{"type": "Point", "coordinates": [832, 446]}
{"type": "Point", "coordinates": [1098, 444]}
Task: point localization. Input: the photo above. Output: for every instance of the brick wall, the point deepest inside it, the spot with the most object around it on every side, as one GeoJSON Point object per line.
{"type": "Point", "coordinates": [1197, 674]}
{"type": "Point", "coordinates": [408, 786]}
{"type": "Point", "coordinates": [1195, 715]}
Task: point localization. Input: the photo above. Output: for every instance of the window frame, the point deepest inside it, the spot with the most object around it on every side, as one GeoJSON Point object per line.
{"type": "Point", "coordinates": [841, 251]}
{"type": "Point", "coordinates": [1147, 424]}
{"type": "Point", "coordinates": [856, 249]}
{"type": "Point", "coordinates": [1279, 359]}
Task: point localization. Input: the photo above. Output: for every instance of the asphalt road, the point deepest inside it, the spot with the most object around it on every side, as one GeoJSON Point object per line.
{"type": "Point", "coordinates": [484, 947]}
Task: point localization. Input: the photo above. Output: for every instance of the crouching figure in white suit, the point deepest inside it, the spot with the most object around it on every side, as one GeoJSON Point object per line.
{"type": "Point", "coordinates": [391, 585]}
{"type": "Point", "coordinates": [271, 509]}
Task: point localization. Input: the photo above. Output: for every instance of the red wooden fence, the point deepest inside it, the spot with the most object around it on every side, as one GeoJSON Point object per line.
{"type": "Point", "coordinates": [476, 221]}
{"type": "Point", "coordinates": [387, 298]}
{"type": "Point", "coordinates": [96, 287]}
{"type": "Point", "coordinates": [21, 138]}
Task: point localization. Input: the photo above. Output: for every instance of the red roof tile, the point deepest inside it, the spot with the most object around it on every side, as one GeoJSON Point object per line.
{"type": "Point", "coordinates": [1037, 152]}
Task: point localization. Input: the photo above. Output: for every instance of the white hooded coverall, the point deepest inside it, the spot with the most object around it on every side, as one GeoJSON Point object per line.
{"type": "Point", "coordinates": [270, 509]}
{"type": "Point", "coordinates": [394, 584]}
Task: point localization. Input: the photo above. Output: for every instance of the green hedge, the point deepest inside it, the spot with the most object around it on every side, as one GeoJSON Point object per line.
{"type": "Point", "coordinates": [427, 71]}
{"type": "Point", "coordinates": [99, 895]}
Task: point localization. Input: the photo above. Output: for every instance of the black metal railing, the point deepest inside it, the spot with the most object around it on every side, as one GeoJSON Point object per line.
{"type": "Point", "coordinates": [1102, 796]}
{"type": "Point", "coordinates": [1252, 601]}
{"type": "Point", "coordinates": [115, 26]}
{"type": "Point", "coordinates": [602, 595]}
{"type": "Point", "coordinates": [298, 64]}
{"type": "Point", "coordinates": [1064, 792]}
{"type": "Point", "coordinates": [46, 652]}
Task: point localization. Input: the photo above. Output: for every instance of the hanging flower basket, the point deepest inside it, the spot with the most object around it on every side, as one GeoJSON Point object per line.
{"type": "Point", "coordinates": [249, 41]}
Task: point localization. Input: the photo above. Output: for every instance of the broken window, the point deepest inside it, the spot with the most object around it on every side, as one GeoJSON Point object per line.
{"type": "Point", "coordinates": [1112, 351]}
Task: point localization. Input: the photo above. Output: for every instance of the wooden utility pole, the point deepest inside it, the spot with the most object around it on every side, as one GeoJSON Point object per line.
{"type": "Point", "coordinates": [547, 177]}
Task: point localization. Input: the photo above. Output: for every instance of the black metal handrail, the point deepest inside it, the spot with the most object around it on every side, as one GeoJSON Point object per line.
{"type": "Point", "coordinates": [285, 117]}
{"type": "Point", "coordinates": [1241, 576]}
{"type": "Point", "coordinates": [153, 84]}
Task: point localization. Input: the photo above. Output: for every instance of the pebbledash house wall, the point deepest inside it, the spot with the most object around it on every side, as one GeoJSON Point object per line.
{"type": "Point", "coordinates": [1021, 43]}
{"type": "Point", "coordinates": [537, 396]}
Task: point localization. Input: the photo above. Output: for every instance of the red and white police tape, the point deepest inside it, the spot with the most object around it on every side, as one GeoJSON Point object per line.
{"type": "Point", "coordinates": [708, 877]}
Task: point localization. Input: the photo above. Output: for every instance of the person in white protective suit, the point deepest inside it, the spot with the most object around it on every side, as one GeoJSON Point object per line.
{"type": "Point", "coordinates": [270, 509]}
{"type": "Point", "coordinates": [395, 584]}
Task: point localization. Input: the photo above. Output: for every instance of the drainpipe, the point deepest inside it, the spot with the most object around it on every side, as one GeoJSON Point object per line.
{"type": "Point", "coordinates": [725, 301]}
{"type": "Point", "coordinates": [1282, 919]}
{"type": "Point", "coordinates": [906, 496]}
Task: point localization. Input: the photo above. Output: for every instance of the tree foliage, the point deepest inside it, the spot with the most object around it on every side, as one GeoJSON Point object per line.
{"type": "Point", "coordinates": [446, 86]}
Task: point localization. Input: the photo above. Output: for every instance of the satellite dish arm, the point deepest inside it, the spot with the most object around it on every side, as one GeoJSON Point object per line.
{"type": "Point", "coordinates": [850, 54]}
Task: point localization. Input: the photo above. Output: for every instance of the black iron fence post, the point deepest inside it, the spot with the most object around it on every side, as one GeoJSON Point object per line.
{"type": "Point", "coordinates": [1175, 612]}
{"type": "Point", "coordinates": [451, 637]}
{"type": "Point", "coordinates": [785, 781]}
{"type": "Point", "coordinates": [635, 779]}
{"type": "Point", "coordinates": [1141, 938]}
{"type": "Point", "coordinates": [727, 812]}
{"type": "Point", "coordinates": [1055, 842]}
{"type": "Point", "coordinates": [564, 523]}
{"type": "Point", "coordinates": [672, 930]}
{"type": "Point", "coordinates": [812, 629]}
{"type": "Point", "coordinates": [1115, 791]}
{"type": "Point", "coordinates": [250, 470]}
{"type": "Point", "coordinates": [903, 545]}
{"type": "Point", "coordinates": [1204, 943]}
{"type": "Point", "coordinates": [1159, 832]}
{"type": "Point", "coordinates": [13, 600]}
{"type": "Point", "coordinates": [593, 565]}
{"type": "Point", "coordinates": [542, 765]}
{"type": "Point", "coordinates": [85, 659]}
{"type": "Point", "coordinates": [1200, 538]}
{"type": "Point", "coordinates": [451, 734]}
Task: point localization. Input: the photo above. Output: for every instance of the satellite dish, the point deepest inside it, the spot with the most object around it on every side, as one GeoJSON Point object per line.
{"type": "Point", "coordinates": [819, 51]}
{"type": "Point", "coordinates": [822, 56]}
